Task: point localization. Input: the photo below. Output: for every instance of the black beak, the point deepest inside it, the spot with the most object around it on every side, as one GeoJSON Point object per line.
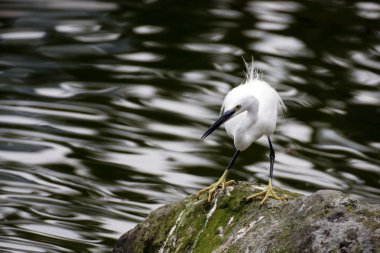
{"type": "Point", "coordinates": [226, 116]}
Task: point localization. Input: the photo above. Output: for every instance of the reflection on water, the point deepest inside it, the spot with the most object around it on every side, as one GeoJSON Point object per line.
{"type": "Point", "coordinates": [103, 103]}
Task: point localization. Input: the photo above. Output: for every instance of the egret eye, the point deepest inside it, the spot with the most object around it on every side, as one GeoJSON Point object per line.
{"type": "Point", "coordinates": [237, 107]}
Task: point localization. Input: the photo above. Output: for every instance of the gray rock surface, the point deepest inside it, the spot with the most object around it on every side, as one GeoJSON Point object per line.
{"type": "Point", "coordinates": [326, 221]}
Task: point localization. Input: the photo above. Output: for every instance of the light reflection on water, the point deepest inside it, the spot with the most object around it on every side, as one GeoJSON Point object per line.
{"type": "Point", "coordinates": [102, 105]}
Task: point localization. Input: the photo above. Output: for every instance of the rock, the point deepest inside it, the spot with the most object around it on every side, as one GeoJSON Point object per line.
{"type": "Point", "coordinates": [326, 221]}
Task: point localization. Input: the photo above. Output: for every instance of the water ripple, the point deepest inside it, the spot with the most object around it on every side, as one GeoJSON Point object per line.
{"type": "Point", "coordinates": [102, 105]}
{"type": "Point", "coordinates": [213, 48]}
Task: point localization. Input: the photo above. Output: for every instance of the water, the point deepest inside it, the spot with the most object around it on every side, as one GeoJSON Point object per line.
{"type": "Point", "coordinates": [102, 105]}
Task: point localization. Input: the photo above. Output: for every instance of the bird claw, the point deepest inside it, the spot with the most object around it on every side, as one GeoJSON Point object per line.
{"type": "Point", "coordinates": [211, 190]}
{"type": "Point", "coordinates": [268, 193]}
{"type": "Point", "coordinates": [228, 183]}
{"type": "Point", "coordinates": [222, 183]}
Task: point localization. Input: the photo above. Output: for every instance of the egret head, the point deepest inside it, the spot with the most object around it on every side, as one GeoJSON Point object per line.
{"type": "Point", "coordinates": [234, 104]}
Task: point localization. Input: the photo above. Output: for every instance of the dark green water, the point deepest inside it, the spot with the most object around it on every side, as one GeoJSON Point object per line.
{"type": "Point", "coordinates": [102, 105]}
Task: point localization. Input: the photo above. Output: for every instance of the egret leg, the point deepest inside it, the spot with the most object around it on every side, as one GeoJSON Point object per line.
{"type": "Point", "coordinates": [222, 182]}
{"type": "Point", "coordinates": [268, 192]}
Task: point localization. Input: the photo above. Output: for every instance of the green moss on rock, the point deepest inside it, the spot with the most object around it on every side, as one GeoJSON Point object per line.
{"type": "Point", "coordinates": [325, 221]}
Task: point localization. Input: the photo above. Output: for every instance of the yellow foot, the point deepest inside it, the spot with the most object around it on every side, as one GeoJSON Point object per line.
{"type": "Point", "coordinates": [268, 192]}
{"type": "Point", "coordinates": [212, 188]}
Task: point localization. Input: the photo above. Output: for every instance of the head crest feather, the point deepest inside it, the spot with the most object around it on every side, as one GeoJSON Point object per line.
{"type": "Point", "coordinates": [252, 73]}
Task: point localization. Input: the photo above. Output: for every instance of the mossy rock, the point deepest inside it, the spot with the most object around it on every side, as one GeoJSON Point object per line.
{"type": "Point", "coordinates": [326, 221]}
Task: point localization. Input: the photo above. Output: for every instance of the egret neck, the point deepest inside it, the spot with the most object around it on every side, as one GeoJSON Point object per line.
{"type": "Point", "coordinates": [243, 138]}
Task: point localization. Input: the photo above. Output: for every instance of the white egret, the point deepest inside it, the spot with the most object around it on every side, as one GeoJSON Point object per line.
{"type": "Point", "coordinates": [249, 112]}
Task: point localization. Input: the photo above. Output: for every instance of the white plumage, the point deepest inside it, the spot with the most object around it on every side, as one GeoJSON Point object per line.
{"type": "Point", "coordinates": [249, 111]}
{"type": "Point", "coordinates": [260, 108]}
